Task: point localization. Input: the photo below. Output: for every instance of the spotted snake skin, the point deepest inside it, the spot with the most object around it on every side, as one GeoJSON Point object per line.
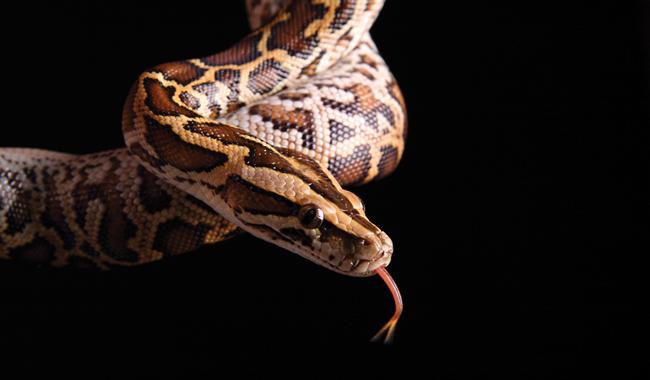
{"type": "Point", "coordinates": [241, 140]}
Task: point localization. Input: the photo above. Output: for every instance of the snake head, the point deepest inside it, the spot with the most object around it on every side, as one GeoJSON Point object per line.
{"type": "Point", "coordinates": [300, 206]}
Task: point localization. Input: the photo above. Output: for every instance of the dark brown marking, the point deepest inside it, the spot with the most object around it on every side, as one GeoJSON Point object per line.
{"type": "Point", "coordinates": [177, 236]}
{"type": "Point", "coordinates": [244, 196]}
{"type": "Point", "coordinates": [151, 194]}
{"type": "Point", "coordinates": [289, 34]}
{"type": "Point", "coordinates": [365, 59]}
{"type": "Point", "coordinates": [340, 132]}
{"type": "Point", "coordinates": [266, 76]}
{"type": "Point", "coordinates": [364, 72]}
{"type": "Point", "coordinates": [183, 72]}
{"type": "Point", "coordinates": [54, 216]}
{"type": "Point", "coordinates": [82, 194]}
{"type": "Point", "coordinates": [303, 167]}
{"type": "Point", "coordinates": [30, 174]}
{"type": "Point", "coordinates": [160, 100]}
{"type": "Point", "coordinates": [171, 149]}
{"type": "Point", "coordinates": [116, 228]}
{"type": "Point", "coordinates": [294, 96]}
{"type": "Point", "coordinates": [312, 68]}
{"type": "Point", "coordinates": [299, 119]}
{"type": "Point", "coordinates": [365, 104]}
{"type": "Point", "coordinates": [388, 160]}
{"type": "Point", "coordinates": [142, 154]}
{"type": "Point", "coordinates": [259, 154]}
{"type": "Point", "coordinates": [352, 169]}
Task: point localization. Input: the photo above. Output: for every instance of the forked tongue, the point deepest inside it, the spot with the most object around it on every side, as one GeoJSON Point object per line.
{"type": "Point", "coordinates": [388, 331]}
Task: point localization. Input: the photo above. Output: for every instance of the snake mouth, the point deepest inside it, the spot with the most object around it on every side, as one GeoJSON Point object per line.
{"type": "Point", "coordinates": [367, 259]}
{"type": "Point", "coordinates": [364, 267]}
{"type": "Point", "coordinates": [353, 268]}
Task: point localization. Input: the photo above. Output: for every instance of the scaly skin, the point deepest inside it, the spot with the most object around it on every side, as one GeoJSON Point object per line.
{"type": "Point", "coordinates": [256, 133]}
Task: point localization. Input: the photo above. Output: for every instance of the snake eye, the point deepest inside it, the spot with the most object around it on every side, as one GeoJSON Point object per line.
{"type": "Point", "coordinates": [311, 216]}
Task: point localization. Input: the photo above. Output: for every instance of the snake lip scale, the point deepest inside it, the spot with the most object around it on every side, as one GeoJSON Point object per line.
{"type": "Point", "coordinates": [262, 138]}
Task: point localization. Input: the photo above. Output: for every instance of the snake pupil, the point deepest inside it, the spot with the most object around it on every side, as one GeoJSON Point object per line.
{"type": "Point", "coordinates": [311, 216]}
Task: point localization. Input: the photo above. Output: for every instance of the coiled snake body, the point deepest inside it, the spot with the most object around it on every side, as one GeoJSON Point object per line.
{"type": "Point", "coordinates": [259, 137]}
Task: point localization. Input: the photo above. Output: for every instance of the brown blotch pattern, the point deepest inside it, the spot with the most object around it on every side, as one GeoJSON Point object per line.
{"type": "Point", "coordinates": [289, 34]}
{"type": "Point", "coordinates": [160, 99]}
{"type": "Point", "coordinates": [299, 119]}
{"type": "Point", "coordinates": [259, 155]}
{"type": "Point", "coordinates": [340, 132]}
{"type": "Point", "coordinates": [177, 236]}
{"type": "Point", "coordinates": [54, 216]}
{"type": "Point", "coordinates": [266, 76]}
{"type": "Point", "coordinates": [183, 72]}
{"type": "Point", "coordinates": [171, 149]}
{"type": "Point", "coordinates": [151, 194]}
{"type": "Point", "coordinates": [354, 168]}
{"type": "Point", "coordinates": [142, 154]}
{"type": "Point", "coordinates": [244, 196]}
{"type": "Point", "coordinates": [116, 228]}
{"type": "Point", "coordinates": [365, 104]}
{"type": "Point", "coordinates": [388, 160]}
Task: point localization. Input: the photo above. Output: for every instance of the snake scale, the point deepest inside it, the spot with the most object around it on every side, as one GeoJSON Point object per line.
{"type": "Point", "coordinates": [258, 138]}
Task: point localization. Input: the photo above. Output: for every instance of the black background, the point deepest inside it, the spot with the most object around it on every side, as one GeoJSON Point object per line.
{"type": "Point", "coordinates": [519, 213]}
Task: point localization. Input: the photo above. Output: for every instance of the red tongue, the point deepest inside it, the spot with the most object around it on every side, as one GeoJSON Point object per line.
{"type": "Point", "coordinates": [389, 327]}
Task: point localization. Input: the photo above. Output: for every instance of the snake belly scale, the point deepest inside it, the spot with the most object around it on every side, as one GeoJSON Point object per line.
{"type": "Point", "coordinates": [258, 138]}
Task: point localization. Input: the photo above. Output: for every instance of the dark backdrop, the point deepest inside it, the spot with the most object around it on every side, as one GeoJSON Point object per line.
{"type": "Point", "coordinates": [519, 213]}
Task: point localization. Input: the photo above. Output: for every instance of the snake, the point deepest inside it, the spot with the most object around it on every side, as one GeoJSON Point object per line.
{"type": "Point", "coordinates": [265, 137]}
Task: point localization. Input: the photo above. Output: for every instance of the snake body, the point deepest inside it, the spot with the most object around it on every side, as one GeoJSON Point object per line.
{"type": "Point", "coordinates": [260, 137]}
